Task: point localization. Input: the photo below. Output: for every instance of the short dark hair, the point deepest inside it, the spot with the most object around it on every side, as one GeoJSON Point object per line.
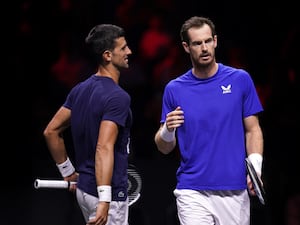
{"type": "Point", "coordinates": [102, 37]}
{"type": "Point", "coordinates": [195, 21]}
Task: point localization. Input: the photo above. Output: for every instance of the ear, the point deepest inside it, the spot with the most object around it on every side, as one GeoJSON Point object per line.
{"type": "Point", "coordinates": [215, 41]}
{"type": "Point", "coordinates": [107, 56]}
{"type": "Point", "coordinates": [185, 46]}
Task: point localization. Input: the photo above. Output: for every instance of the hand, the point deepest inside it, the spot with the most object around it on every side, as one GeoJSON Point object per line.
{"type": "Point", "coordinates": [250, 186]}
{"type": "Point", "coordinates": [72, 177]}
{"type": "Point", "coordinates": [101, 214]}
{"type": "Point", "coordinates": [175, 119]}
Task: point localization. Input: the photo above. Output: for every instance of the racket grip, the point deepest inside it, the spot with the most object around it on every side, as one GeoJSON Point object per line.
{"type": "Point", "coordinates": [59, 184]}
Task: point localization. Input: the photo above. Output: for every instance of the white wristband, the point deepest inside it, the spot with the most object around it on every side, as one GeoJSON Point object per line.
{"type": "Point", "coordinates": [166, 135]}
{"type": "Point", "coordinates": [104, 193]}
{"type": "Point", "coordinates": [256, 160]}
{"type": "Point", "coordinates": [66, 168]}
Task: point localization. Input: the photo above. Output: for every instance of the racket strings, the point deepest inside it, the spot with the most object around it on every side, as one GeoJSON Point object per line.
{"type": "Point", "coordinates": [134, 184]}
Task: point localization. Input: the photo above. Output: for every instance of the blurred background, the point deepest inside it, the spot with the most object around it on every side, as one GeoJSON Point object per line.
{"type": "Point", "coordinates": [44, 57]}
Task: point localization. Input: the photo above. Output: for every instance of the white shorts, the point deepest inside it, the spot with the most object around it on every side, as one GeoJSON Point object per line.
{"type": "Point", "coordinates": [213, 207]}
{"type": "Point", "coordinates": [117, 213]}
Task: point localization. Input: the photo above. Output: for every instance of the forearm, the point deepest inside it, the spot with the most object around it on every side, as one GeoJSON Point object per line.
{"type": "Point", "coordinates": [162, 145]}
{"type": "Point", "coordinates": [254, 144]}
{"type": "Point", "coordinates": [53, 134]}
{"type": "Point", "coordinates": [56, 147]}
{"type": "Point", "coordinates": [104, 163]}
{"type": "Point", "coordinates": [58, 152]}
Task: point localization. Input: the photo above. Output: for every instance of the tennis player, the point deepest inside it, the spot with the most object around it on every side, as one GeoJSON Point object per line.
{"type": "Point", "coordinates": [98, 112]}
{"type": "Point", "coordinates": [212, 112]}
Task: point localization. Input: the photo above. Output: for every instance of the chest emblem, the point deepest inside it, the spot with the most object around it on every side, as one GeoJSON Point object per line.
{"type": "Point", "coordinates": [226, 90]}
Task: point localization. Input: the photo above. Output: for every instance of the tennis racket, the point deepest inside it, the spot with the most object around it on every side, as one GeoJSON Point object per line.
{"type": "Point", "coordinates": [256, 181]}
{"type": "Point", "coordinates": [134, 184]}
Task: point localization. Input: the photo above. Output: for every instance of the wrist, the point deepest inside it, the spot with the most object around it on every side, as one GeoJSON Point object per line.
{"type": "Point", "coordinates": [104, 193]}
{"type": "Point", "coordinates": [66, 168]}
{"type": "Point", "coordinates": [167, 135]}
{"type": "Point", "coordinates": [256, 160]}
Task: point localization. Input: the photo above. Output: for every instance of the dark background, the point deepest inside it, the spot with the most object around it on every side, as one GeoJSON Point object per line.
{"type": "Point", "coordinates": [43, 56]}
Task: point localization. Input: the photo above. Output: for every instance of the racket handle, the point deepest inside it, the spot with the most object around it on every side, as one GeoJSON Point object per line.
{"type": "Point", "coordinates": [59, 184]}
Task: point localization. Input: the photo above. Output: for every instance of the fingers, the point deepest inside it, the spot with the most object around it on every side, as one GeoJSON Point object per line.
{"type": "Point", "coordinates": [175, 122]}
{"type": "Point", "coordinates": [250, 186]}
{"type": "Point", "coordinates": [175, 118]}
{"type": "Point", "coordinates": [73, 187]}
{"type": "Point", "coordinates": [72, 179]}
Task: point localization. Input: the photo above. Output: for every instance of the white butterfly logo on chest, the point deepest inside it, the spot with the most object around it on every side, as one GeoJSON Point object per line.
{"type": "Point", "coordinates": [227, 89]}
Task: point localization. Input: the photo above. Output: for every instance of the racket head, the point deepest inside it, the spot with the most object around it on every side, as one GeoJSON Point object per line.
{"type": "Point", "coordinates": [256, 181]}
{"type": "Point", "coordinates": [134, 184]}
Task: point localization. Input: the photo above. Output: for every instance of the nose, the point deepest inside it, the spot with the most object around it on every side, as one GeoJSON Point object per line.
{"type": "Point", "coordinates": [129, 52]}
{"type": "Point", "coordinates": [204, 46]}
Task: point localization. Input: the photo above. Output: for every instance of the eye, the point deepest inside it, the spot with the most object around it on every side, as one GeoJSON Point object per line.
{"type": "Point", "coordinates": [196, 43]}
{"type": "Point", "coordinates": [210, 40]}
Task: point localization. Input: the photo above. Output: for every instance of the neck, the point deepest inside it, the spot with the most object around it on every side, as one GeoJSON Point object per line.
{"type": "Point", "coordinates": [109, 71]}
{"type": "Point", "coordinates": [205, 71]}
